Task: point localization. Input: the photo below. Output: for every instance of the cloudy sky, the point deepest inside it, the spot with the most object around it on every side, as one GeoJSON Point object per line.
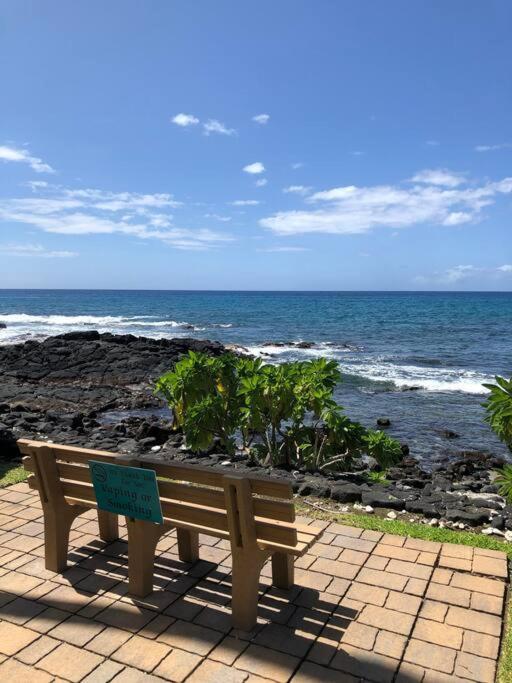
{"type": "Point", "coordinates": [272, 145]}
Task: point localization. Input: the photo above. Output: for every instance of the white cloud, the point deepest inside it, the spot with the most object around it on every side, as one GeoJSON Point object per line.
{"type": "Point", "coordinates": [493, 148]}
{"type": "Point", "coordinates": [262, 119]}
{"type": "Point", "coordinates": [218, 217]}
{"type": "Point", "coordinates": [432, 143]}
{"type": "Point", "coordinates": [22, 155]}
{"type": "Point", "coordinates": [214, 126]}
{"type": "Point", "coordinates": [297, 164]}
{"type": "Point", "coordinates": [36, 185]}
{"type": "Point", "coordinates": [185, 120]}
{"type": "Point", "coordinates": [34, 250]}
{"type": "Point", "coordinates": [297, 189]}
{"type": "Point", "coordinates": [245, 202]}
{"type": "Point", "coordinates": [261, 182]}
{"type": "Point", "coordinates": [284, 249]}
{"type": "Point", "coordinates": [92, 211]}
{"type": "Point", "coordinates": [255, 168]}
{"type": "Point", "coordinates": [439, 176]}
{"type": "Point", "coordinates": [357, 153]}
{"type": "Point", "coordinates": [353, 210]}
{"type": "Point", "coordinates": [461, 273]}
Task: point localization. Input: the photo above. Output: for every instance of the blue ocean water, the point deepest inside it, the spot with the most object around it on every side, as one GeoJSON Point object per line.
{"type": "Point", "coordinates": [443, 346]}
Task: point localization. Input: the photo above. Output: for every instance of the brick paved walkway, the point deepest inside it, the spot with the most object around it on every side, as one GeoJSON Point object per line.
{"type": "Point", "coordinates": [366, 607]}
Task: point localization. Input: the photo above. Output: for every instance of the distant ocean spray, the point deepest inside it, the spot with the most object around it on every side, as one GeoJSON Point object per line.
{"type": "Point", "coordinates": [418, 358]}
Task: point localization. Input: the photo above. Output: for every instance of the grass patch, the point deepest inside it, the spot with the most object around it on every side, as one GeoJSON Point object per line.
{"type": "Point", "coordinates": [404, 528]}
{"type": "Point", "coordinates": [11, 473]}
{"type": "Point", "coordinates": [505, 663]}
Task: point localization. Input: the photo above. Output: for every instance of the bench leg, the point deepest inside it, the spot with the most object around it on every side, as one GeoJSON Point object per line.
{"type": "Point", "coordinates": [282, 570]}
{"type": "Point", "coordinates": [57, 525]}
{"type": "Point", "coordinates": [188, 545]}
{"type": "Point", "coordinates": [245, 584]}
{"type": "Point", "coordinates": [142, 541]}
{"type": "Point", "coordinates": [109, 526]}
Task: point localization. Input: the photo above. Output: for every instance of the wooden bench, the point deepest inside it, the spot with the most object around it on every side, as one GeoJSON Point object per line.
{"type": "Point", "coordinates": [255, 514]}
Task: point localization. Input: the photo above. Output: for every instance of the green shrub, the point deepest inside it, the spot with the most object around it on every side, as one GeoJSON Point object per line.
{"type": "Point", "coordinates": [383, 448]}
{"type": "Point", "coordinates": [499, 409]}
{"type": "Point", "coordinates": [284, 414]}
{"type": "Point", "coordinates": [504, 481]}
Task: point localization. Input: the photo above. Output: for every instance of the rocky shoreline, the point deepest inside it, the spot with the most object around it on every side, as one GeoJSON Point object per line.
{"type": "Point", "coordinates": [64, 389]}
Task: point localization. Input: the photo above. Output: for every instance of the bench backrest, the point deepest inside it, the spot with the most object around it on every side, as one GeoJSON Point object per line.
{"type": "Point", "coordinates": [210, 500]}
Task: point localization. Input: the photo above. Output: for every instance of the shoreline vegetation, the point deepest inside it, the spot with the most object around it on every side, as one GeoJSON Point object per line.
{"type": "Point", "coordinates": [96, 390]}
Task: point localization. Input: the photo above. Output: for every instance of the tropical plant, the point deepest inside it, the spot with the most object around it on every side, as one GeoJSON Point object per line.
{"type": "Point", "coordinates": [378, 477]}
{"type": "Point", "coordinates": [498, 407]}
{"type": "Point", "coordinates": [284, 414]}
{"type": "Point", "coordinates": [386, 450]}
{"type": "Point", "coordinates": [504, 481]}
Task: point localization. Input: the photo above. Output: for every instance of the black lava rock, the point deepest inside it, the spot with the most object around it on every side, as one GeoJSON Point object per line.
{"type": "Point", "coordinates": [346, 493]}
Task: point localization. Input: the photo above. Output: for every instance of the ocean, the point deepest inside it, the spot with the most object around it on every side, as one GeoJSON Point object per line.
{"type": "Point", "coordinates": [417, 358]}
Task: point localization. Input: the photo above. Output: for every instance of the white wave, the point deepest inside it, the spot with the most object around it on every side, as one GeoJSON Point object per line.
{"type": "Point", "coordinates": [378, 370]}
{"type": "Point", "coordinates": [97, 321]}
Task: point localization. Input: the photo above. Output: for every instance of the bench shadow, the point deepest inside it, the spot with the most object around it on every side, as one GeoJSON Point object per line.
{"type": "Point", "coordinates": [299, 622]}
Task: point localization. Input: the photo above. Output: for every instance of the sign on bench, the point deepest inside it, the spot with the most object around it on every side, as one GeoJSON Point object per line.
{"type": "Point", "coordinates": [129, 491]}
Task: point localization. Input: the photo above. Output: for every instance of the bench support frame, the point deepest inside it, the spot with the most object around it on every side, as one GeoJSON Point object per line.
{"type": "Point", "coordinates": [59, 515]}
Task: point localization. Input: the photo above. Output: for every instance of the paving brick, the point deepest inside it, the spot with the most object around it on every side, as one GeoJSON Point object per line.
{"type": "Point", "coordinates": [478, 584]}
{"type": "Point", "coordinates": [416, 587]}
{"type": "Point", "coordinates": [213, 672]}
{"type": "Point", "coordinates": [47, 620]}
{"type": "Point", "coordinates": [270, 664]}
{"type": "Point", "coordinates": [104, 673]}
{"type": "Point", "coordinates": [76, 630]}
{"type": "Point", "coordinates": [436, 611]}
{"type": "Point", "coordinates": [68, 661]}
{"type": "Point", "coordinates": [331, 552]}
{"type": "Point", "coordinates": [11, 670]}
{"type": "Point", "coordinates": [191, 637]}
{"type": "Point", "coordinates": [411, 569]}
{"type": "Point", "coordinates": [382, 579]}
{"type": "Point", "coordinates": [410, 673]}
{"type": "Point", "coordinates": [374, 562]}
{"type": "Point", "coordinates": [359, 635]}
{"type": "Point", "coordinates": [336, 568]}
{"type": "Point", "coordinates": [432, 547]}
{"type": "Point", "coordinates": [360, 544]}
{"type": "Point", "coordinates": [449, 594]}
{"type": "Point", "coordinates": [312, 579]}
{"type": "Point", "coordinates": [353, 557]}
{"type": "Point", "coordinates": [228, 650]}
{"type": "Point", "coordinates": [390, 620]}
{"type": "Point", "coordinates": [37, 650]}
{"type": "Point", "coordinates": [18, 584]}
{"type": "Point", "coordinates": [20, 610]}
{"type": "Point", "coordinates": [374, 595]}
{"type": "Point", "coordinates": [390, 644]}
{"type": "Point", "coordinates": [364, 664]}
{"type": "Point", "coordinates": [486, 603]}
{"type": "Point", "coordinates": [391, 539]}
{"type": "Point", "coordinates": [14, 638]}
{"type": "Point", "coordinates": [343, 530]}
{"type": "Point", "coordinates": [401, 602]}
{"type": "Point", "coordinates": [475, 668]}
{"type": "Point", "coordinates": [481, 644]}
{"type": "Point", "coordinates": [440, 634]}
{"type": "Point", "coordinates": [455, 563]}
{"type": "Point", "coordinates": [430, 656]}
{"type": "Point", "coordinates": [443, 576]}
{"type": "Point", "coordinates": [140, 652]}
{"type": "Point", "coordinates": [125, 615]}
{"type": "Point", "coordinates": [455, 550]}
{"type": "Point", "coordinates": [490, 566]}
{"type": "Point", "coordinates": [396, 552]}
{"type": "Point", "coordinates": [474, 621]}
{"type": "Point", "coordinates": [313, 673]}
{"type": "Point", "coordinates": [131, 675]}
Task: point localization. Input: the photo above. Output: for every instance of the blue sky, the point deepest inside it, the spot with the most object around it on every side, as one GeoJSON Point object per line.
{"type": "Point", "coordinates": [270, 145]}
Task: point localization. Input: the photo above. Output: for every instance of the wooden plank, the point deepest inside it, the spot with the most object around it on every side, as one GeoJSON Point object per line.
{"type": "Point", "coordinates": [272, 532]}
{"type": "Point", "coordinates": [32, 482]}
{"type": "Point", "coordinates": [28, 463]}
{"type": "Point", "coordinates": [73, 472]}
{"type": "Point", "coordinates": [211, 497]}
{"type": "Point", "coordinates": [75, 490]}
{"type": "Point", "coordinates": [209, 476]}
{"type": "Point", "coordinates": [194, 514]}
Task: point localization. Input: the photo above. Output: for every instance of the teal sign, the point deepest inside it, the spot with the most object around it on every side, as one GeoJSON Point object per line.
{"type": "Point", "coordinates": [129, 491]}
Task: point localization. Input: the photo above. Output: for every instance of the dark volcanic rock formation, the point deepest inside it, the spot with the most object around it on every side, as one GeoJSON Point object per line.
{"type": "Point", "coordinates": [89, 371]}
